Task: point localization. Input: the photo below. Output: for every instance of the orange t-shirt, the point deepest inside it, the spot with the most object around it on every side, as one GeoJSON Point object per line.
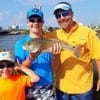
{"type": "Point", "coordinates": [13, 88]}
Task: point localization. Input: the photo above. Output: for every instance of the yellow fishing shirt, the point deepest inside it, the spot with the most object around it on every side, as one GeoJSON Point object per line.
{"type": "Point", "coordinates": [75, 74]}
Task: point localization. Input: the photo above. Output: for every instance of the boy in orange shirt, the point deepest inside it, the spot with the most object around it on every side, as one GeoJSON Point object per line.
{"type": "Point", "coordinates": [12, 86]}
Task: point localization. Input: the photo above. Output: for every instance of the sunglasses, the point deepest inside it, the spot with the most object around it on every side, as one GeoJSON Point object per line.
{"type": "Point", "coordinates": [64, 14]}
{"type": "Point", "coordinates": [8, 65]}
{"type": "Point", "coordinates": [36, 20]}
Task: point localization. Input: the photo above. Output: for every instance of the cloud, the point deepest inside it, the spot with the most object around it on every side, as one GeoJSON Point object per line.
{"type": "Point", "coordinates": [51, 21]}
{"type": "Point", "coordinates": [46, 5]}
{"type": "Point", "coordinates": [19, 19]}
{"type": "Point", "coordinates": [45, 2]}
{"type": "Point", "coordinates": [97, 21]}
{"type": "Point", "coordinates": [18, 14]}
{"type": "Point", "coordinates": [3, 14]}
{"type": "Point", "coordinates": [8, 18]}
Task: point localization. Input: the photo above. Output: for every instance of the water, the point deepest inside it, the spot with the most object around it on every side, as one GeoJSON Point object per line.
{"type": "Point", "coordinates": [7, 42]}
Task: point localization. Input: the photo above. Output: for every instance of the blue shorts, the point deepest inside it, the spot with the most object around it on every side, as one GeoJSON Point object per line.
{"type": "Point", "coordinates": [85, 96]}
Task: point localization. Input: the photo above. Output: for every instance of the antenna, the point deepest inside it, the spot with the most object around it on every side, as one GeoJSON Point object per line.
{"type": "Point", "coordinates": [40, 7]}
{"type": "Point", "coordinates": [34, 5]}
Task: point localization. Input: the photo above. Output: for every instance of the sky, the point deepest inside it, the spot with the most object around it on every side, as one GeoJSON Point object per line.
{"type": "Point", "coordinates": [13, 12]}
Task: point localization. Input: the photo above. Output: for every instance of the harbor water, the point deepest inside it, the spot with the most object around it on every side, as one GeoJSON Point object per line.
{"type": "Point", "coordinates": [7, 42]}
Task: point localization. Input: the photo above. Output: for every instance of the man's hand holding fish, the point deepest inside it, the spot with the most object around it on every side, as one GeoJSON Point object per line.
{"type": "Point", "coordinates": [56, 48]}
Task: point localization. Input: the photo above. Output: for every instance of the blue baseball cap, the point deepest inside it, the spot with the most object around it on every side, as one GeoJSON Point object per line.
{"type": "Point", "coordinates": [34, 11]}
{"type": "Point", "coordinates": [63, 6]}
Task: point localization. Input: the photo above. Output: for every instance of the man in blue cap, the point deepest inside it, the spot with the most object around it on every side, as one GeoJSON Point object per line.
{"type": "Point", "coordinates": [74, 76]}
{"type": "Point", "coordinates": [40, 62]}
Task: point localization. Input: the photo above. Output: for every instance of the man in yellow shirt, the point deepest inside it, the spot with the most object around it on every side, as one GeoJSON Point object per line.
{"type": "Point", "coordinates": [74, 76]}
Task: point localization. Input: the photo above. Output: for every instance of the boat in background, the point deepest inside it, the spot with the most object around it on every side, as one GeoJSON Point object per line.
{"type": "Point", "coordinates": [4, 32]}
{"type": "Point", "coordinates": [14, 32]}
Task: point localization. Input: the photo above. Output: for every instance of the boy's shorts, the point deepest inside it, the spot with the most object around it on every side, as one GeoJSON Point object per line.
{"type": "Point", "coordinates": [41, 93]}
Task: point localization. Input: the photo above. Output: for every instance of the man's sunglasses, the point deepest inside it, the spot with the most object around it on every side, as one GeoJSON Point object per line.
{"type": "Point", "coordinates": [36, 20]}
{"type": "Point", "coordinates": [8, 65]}
{"type": "Point", "coordinates": [64, 14]}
